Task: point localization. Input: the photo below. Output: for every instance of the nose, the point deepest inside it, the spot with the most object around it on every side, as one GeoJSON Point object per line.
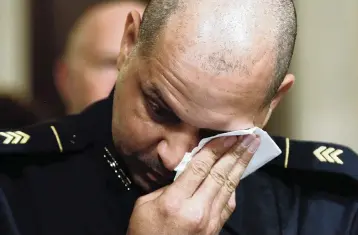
{"type": "Point", "coordinates": [176, 143]}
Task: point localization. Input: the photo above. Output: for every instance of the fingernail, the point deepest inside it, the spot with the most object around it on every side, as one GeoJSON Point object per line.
{"type": "Point", "coordinates": [254, 146]}
{"type": "Point", "coordinates": [247, 140]}
{"type": "Point", "coordinates": [229, 141]}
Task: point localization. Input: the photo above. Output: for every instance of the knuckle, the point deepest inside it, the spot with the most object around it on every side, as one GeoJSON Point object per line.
{"type": "Point", "coordinates": [238, 152]}
{"type": "Point", "coordinates": [169, 206]}
{"type": "Point", "coordinates": [231, 184]}
{"type": "Point", "coordinates": [244, 161]}
{"type": "Point", "coordinates": [212, 153]}
{"type": "Point", "coordinates": [214, 228]}
{"type": "Point", "coordinates": [140, 201]}
{"type": "Point", "coordinates": [215, 153]}
{"type": "Point", "coordinates": [193, 216]}
{"type": "Point", "coordinates": [200, 168]}
{"type": "Point", "coordinates": [196, 223]}
{"type": "Point", "coordinates": [218, 176]}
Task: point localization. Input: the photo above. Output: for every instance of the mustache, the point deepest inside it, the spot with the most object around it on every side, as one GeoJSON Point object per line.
{"type": "Point", "coordinates": [152, 163]}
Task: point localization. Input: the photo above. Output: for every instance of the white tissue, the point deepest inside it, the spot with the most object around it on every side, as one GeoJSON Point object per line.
{"type": "Point", "coordinates": [267, 150]}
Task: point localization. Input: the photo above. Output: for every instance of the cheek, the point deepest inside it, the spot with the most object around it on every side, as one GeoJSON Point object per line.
{"type": "Point", "coordinates": [138, 132]}
{"type": "Point", "coordinates": [141, 135]}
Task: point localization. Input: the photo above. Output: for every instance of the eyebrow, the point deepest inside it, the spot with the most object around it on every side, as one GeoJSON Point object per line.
{"type": "Point", "coordinates": [154, 92]}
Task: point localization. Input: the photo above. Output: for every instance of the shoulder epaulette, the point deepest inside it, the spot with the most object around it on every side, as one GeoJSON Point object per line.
{"type": "Point", "coordinates": [47, 138]}
{"type": "Point", "coordinates": [71, 133]}
{"type": "Point", "coordinates": [317, 157]}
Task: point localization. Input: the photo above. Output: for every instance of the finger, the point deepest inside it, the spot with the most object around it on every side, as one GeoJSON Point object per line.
{"type": "Point", "coordinates": [199, 168]}
{"type": "Point", "coordinates": [234, 177]}
{"type": "Point", "coordinates": [218, 175]}
{"type": "Point", "coordinates": [228, 209]}
{"type": "Point", "coordinates": [151, 196]}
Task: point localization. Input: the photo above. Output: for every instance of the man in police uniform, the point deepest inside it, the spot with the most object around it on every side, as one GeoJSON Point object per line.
{"type": "Point", "coordinates": [188, 69]}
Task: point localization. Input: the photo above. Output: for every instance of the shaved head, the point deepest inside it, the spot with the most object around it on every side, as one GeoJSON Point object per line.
{"type": "Point", "coordinates": [233, 35]}
{"type": "Point", "coordinates": [192, 69]}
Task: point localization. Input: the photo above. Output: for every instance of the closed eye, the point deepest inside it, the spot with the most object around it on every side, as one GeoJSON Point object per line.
{"type": "Point", "coordinates": [159, 113]}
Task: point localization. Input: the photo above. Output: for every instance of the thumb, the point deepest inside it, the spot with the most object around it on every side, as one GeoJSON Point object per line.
{"type": "Point", "coordinates": [151, 196]}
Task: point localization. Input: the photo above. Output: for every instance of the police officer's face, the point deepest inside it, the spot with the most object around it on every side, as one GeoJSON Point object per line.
{"type": "Point", "coordinates": [165, 103]}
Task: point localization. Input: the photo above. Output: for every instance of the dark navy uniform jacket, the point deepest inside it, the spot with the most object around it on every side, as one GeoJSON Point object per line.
{"type": "Point", "coordinates": [63, 177]}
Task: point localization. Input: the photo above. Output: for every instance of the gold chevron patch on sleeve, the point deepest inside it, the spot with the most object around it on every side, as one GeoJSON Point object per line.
{"type": "Point", "coordinates": [330, 155]}
{"type": "Point", "coordinates": [14, 137]}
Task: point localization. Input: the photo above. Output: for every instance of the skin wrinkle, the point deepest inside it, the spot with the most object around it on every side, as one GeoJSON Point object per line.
{"type": "Point", "coordinates": [197, 105]}
{"type": "Point", "coordinates": [170, 99]}
{"type": "Point", "coordinates": [171, 81]}
{"type": "Point", "coordinates": [175, 78]}
{"type": "Point", "coordinates": [223, 89]}
{"type": "Point", "coordinates": [172, 74]}
{"type": "Point", "coordinates": [180, 65]}
{"type": "Point", "coordinates": [189, 82]}
{"type": "Point", "coordinates": [168, 96]}
{"type": "Point", "coordinates": [171, 94]}
{"type": "Point", "coordinates": [163, 94]}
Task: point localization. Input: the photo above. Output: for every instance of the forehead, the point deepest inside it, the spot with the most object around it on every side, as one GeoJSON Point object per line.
{"type": "Point", "coordinates": [201, 98]}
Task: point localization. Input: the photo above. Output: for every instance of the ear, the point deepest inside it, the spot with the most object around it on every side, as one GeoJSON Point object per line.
{"type": "Point", "coordinates": [285, 86]}
{"type": "Point", "coordinates": [262, 119]}
{"type": "Point", "coordinates": [130, 36]}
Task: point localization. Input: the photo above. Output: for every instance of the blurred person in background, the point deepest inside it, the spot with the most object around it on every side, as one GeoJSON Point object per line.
{"type": "Point", "coordinates": [81, 184]}
{"type": "Point", "coordinates": [87, 71]}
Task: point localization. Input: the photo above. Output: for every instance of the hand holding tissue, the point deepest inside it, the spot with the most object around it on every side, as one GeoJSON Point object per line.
{"type": "Point", "coordinates": [267, 150]}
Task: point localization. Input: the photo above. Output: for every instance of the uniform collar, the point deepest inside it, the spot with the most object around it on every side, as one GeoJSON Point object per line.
{"type": "Point", "coordinates": [110, 154]}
